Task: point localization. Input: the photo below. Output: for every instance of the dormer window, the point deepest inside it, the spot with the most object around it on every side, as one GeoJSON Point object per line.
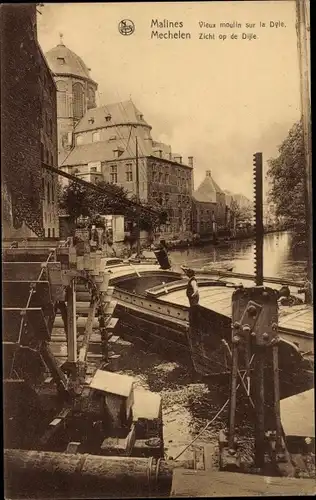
{"type": "Point", "coordinates": [96, 136]}
{"type": "Point", "coordinates": [61, 60]}
{"type": "Point", "coordinates": [91, 120]}
{"type": "Point", "coordinates": [141, 117]}
{"type": "Point", "coordinates": [108, 118]}
{"type": "Point", "coordinates": [79, 140]}
{"type": "Point", "coordinates": [118, 152]}
{"type": "Point", "coordinates": [112, 138]}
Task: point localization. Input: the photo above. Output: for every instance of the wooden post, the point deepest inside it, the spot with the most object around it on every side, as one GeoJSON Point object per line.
{"type": "Point", "coordinates": [303, 40]}
{"type": "Point", "coordinates": [259, 426]}
{"type": "Point", "coordinates": [233, 396]}
{"type": "Point", "coordinates": [83, 353]}
{"type": "Point", "coordinates": [276, 382]}
{"type": "Point", "coordinates": [72, 323]}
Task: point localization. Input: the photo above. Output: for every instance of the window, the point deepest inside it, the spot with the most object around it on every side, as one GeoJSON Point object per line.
{"type": "Point", "coordinates": [53, 197]}
{"type": "Point", "coordinates": [141, 117]}
{"type": "Point", "coordinates": [118, 152]}
{"type": "Point", "coordinates": [42, 152]}
{"type": "Point", "coordinates": [48, 232]}
{"type": "Point", "coordinates": [95, 136]}
{"type": "Point", "coordinates": [108, 118]}
{"type": "Point", "coordinates": [48, 192]}
{"type": "Point", "coordinates": [53, 230]}
{"type": "Point", "coordinates": [50, 127]}
{"type": "Point", "coordinates": [113, 174]}
{"type": "Point", "coordinates": [129, 172]}
{"type": "Point", "coordinates": [79, 140]}
{"type": "Point", "coordinates": [61, 97]}
{"type": "Point", "coordinates": [61, 60]}
{"type": "Point", "coordinates": [93, 169]}
{"type": "Point", "coordinates": [91, 121]}
{"type": "Point", "coordinates": [179, 199]}
{"type": "Point", "coordinates": [167, 178]}
{"type": "Point", "coordinates": [159, 177]}
{"type": "Point", "coordinates": [78, 100]}
{"type": "Point", "coordinates": [167, 197]}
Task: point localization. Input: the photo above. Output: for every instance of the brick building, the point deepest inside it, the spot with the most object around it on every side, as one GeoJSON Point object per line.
{"type": "Point", "coordinates": [99, 143]}
{"type": "Point", "coordinates": [29, 128]}
{"type": "Point", "coordinates": [105, 148]}
{"type": "Point", "coordinates": [76, 93]}
{"type": "Point", "coordinates": [209, 211]}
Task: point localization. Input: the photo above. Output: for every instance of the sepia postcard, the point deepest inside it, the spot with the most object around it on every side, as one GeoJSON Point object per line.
{"type": "Point", "coordinates": [156, 186]}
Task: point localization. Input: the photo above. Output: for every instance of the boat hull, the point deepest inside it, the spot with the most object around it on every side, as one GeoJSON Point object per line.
{"type": "Point", "coordinates": [150, 314]}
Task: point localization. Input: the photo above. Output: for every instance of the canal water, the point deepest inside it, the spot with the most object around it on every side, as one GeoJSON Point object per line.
{"type": "Point", "coordinates": [189, 404]}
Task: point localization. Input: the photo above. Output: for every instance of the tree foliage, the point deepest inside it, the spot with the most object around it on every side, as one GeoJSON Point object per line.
{"type": "Point", "coordinates": [81, 201]}
{"type": "Point", "coordinates": [286, 173]}
{"type": "Point", "coordinates": [241, 213]}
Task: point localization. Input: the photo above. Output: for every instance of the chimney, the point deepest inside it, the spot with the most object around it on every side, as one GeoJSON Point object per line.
{"type": "Point", "coordinates": [170, 156]}
{"type": "Point", "coordinates": [209, 173]}
{"type": "Point", "coordinates": [160, 153]}
{"type": "Point", "coordinates": [190, 161]}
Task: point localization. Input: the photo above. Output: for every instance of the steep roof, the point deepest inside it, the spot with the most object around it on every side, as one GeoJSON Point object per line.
{"type": "Point", "coordinates": [104, 151]}
{"type": "Point", "coordinates": [207, 190]}
{"type": "Point", "coordinates": [120, 113]}
{"type": "Point", "coordinates": [62, 60]}
{"type": "Point", "coordinates": [94, 151]}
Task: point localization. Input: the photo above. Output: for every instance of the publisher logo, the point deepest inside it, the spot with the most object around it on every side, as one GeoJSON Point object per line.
{"type": "Point", "coordinates": [126, 27]}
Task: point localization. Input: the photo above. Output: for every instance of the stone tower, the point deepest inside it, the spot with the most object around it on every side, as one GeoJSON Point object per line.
{"type": "Point", "coordinates": [75, 93]}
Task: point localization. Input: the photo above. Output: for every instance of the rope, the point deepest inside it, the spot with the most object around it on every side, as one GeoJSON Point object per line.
{"type": "Point", "coordinates": [213, 419]}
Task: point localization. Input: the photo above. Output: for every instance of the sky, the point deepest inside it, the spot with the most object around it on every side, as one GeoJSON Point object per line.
{"type": "Point", "coordinates": [217, 100]}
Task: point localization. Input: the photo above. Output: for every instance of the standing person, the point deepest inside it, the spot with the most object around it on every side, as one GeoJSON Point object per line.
{"type": "Point", "coordinates": [192, 288]}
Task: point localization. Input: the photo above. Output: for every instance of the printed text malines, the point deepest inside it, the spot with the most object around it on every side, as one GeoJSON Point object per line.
{"type": "Point", "coordinates": [165, 24]}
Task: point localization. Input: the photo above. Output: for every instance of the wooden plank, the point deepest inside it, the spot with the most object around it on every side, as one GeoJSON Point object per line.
{"type": "Point", "coordinates": [55, 370]}
{"type": "Point", "coordinates": [112, 323]}
{"type": "Point", "coordinates": [87, 333]}
{"type": "Point", "coordinates": [189, 483]}
{"type": "Point", "coordinates": [81, 322]}
{"type": "Point", "coordinates": [28, 271]}
{"type": "Point", "coordinates": [297, 415]}
{"type": "Point", "coordinates": [55, 426]}
{"type": "Point", "coordinates": [296, 314]}
{"type": "Point", "coordinates": [34, 317]}
{"type": "Point", "coordinates": [71, 324]}
{"type": "Point", "coordinates": [16, 293]}
{"type": "Point", "coordinates": [26, 254]}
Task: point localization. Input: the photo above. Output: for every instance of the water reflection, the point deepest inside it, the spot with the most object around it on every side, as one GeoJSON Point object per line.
{"type": "Point", "coordinates": [284, 255]}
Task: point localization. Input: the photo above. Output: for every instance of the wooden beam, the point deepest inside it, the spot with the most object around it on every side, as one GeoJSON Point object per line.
{"type": "Point", "coordinates": [58, 375]}
{"type": "Point", "coordinates": [230, 274]}
{"type": "Point", "coordinates": [71, 323]}
{"type": "Point", "coordinates": [87, 333]}
{"type": "Point", "coordinates": [54, 426]}
{"type": "Point", "coordinates": [189, 484]}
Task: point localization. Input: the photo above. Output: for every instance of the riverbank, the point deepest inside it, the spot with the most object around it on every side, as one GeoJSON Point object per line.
{"type": "Point", "coordinates": [224, 239]}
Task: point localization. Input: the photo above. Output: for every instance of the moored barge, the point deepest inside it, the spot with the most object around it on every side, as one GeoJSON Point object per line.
{"type": "Point", "coordinates": [153, 308]}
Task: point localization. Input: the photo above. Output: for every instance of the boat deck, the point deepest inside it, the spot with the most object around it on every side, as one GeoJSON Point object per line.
{"type": "Point", "coordinates": [295, 322]}
{"type": "Point", "coordinates": [297, 318]}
